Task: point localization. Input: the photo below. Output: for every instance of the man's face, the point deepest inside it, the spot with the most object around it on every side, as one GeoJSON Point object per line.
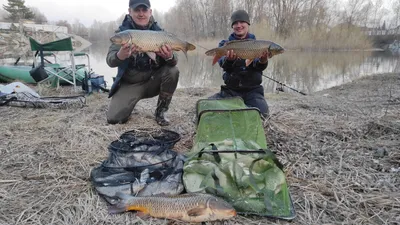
{"type": "Point", "coordinates": [241, 28]}
{"type": "Point", "coordinates": [140, 15]}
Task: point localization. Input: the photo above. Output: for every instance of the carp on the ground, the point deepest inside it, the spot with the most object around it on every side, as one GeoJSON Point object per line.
{"type": "Point", "coordinates": [191, 207]}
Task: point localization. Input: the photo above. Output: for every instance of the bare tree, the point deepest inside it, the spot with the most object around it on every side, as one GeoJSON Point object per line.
{"type": "Point", "coordinates": [313, 19]}
{"type": "Point", "coordinates": [396, 12]}
{"type": "Point", "coordinates": [66, 24]}
{"type": "Point", "coordinates": [159, 17]}
{"type": "Point", "coordinates": [260, 11]}
{"type": "Point", "coordinates": [377, 13]}
{"type": "Point", "coordinates": [79, 29]}
{"type": "Point", "coordinates": [354, 11]}
{"type": "Point", "coordinates": [285, 14]}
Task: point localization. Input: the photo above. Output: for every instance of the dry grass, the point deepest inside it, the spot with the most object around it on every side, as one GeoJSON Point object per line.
{"type": "Point", "coordinates": [327, 141]}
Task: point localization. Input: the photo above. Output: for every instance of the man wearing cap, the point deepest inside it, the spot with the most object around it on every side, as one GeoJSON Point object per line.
{"type": "Point", "coordinates": [241, 80]}
{"type": "Point", "coordinates": [139, 76]}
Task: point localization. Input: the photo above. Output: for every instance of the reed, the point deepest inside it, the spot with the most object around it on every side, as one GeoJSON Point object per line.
{"type": "Point", "coordinates": [315, 39]}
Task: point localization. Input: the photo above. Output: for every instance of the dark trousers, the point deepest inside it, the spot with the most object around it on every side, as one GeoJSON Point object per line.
{"type": "Point", "coordinates": [140, 85]}
{"type": "Point", "coordinates": [253, 97]}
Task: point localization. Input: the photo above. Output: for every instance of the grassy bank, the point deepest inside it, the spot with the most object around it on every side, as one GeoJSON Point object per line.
{"type": "Point", "coordinates": [340, 148]}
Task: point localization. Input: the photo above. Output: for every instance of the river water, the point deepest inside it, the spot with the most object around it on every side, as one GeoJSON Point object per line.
{"type": "Point", "coordinates": [303, 71]}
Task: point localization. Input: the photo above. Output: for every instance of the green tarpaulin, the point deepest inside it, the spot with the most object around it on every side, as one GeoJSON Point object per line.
{"type": "Point", "coordinates": [230, 158]}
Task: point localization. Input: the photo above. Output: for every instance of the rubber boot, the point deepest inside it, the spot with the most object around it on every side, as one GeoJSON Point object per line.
{"type": "Point", "coordinates": [164, 99]}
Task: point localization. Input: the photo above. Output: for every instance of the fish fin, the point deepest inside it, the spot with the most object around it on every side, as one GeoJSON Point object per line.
{"type": "Point", "coordinates": [196, 212]}
{"type": "Point", "coordinates": [138, 185]}
{"type": "Point", "coordinates": [215, 60]}
{"type": "Point", "coordinates": [162, 195]}
{"type": "Point", "coordinates": [142, 215]}
{"type": "Point", "coordinates": [238, 41]}
{"type": "Point", "coordinates": [214, 52]}
{"type": "Point", "coordinates": [217, 57]}
{"type": "Point", "coordinates": [144, 175]}
{"type": "Point", "coordinates": [248, 62]}
{"type": "Point", "coordinates": [152, 55]}
{"type": "Point", "coordinates": [185, 52]}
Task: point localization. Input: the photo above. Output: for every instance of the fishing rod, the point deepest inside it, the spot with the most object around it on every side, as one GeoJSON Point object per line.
{"type": "Point", "coordinates": [202, 47]}
{"type": "Point", "coordinates": [285, 85]}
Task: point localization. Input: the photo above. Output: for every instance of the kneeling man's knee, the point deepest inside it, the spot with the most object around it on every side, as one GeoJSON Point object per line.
{"type": "Point", "coordinates": [173, 72]}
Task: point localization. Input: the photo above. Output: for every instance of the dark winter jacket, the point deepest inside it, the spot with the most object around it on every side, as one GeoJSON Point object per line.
{"type": "Point", "coordinates": [141, 62]}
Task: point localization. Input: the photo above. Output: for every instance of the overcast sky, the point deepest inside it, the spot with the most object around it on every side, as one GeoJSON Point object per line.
{"type": "Point", "coordinates": [88, 10]}
{"type": "Point", "coordinates": [102, 10]}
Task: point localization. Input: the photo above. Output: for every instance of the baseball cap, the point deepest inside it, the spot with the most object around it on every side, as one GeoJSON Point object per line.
{"type": "Point", "coordinates": [135, 3]}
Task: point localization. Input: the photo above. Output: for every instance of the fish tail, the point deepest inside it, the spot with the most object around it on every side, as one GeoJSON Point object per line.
{"type": "Point", "coordinates": [217, 56]}
{"type": "Point", "coordinates": [188, 47]}
{"type": "Point", "coordinates": [215, 60]}
{"type": "Point", "coordinates": [214, 52]}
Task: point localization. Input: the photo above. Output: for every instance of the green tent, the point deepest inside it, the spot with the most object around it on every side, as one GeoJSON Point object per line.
{"type": "Point", "coordinates": [230, 159]}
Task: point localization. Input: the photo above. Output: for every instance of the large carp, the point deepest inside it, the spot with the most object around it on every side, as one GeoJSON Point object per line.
{"type": "Point", "coordinates": [150, 41]}
{"type": "Point", "coordinates": [192, 207]}
{"type": "Point", "coordinates": [248, 49]}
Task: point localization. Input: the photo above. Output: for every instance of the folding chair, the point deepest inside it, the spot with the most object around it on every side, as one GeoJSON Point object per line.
{"type": "Point", "coordinates": [79, 66]}
{"type": "Point", "coordinates": [55, 70]}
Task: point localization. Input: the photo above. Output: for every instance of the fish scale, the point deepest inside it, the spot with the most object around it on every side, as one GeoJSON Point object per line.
{"type": "Point", "coordinates": [151, 41]}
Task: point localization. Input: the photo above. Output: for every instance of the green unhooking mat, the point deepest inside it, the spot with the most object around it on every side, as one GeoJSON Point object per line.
{"type": "Point", "coordinates": [230, 159]}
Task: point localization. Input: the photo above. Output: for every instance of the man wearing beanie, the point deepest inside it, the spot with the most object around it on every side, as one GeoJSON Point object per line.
{"type": "Point", "coordinates": [241, 80]}
{"type": "Point", "coordinates": [139, 76]}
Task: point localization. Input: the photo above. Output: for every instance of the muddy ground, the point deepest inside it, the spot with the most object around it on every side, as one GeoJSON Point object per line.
{"type": "Point", "coordinates": [340, 148]}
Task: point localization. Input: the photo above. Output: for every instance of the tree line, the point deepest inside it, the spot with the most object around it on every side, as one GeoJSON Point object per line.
{"type": "Point", "coordinates": [280, 19]}
{"type": "Point", "coordinates": [205, 18]}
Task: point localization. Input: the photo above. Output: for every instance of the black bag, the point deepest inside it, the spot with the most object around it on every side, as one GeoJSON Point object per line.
{"type": "Point", "coordinates": [140, 163]}
{"type": "Point", "coordinates": [38, 73]}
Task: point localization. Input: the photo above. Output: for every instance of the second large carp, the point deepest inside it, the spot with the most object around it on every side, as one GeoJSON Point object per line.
{"type": "Point", "coordinates": [151, 41]}
{"type": "Point", "coordinates": [246, 49]}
